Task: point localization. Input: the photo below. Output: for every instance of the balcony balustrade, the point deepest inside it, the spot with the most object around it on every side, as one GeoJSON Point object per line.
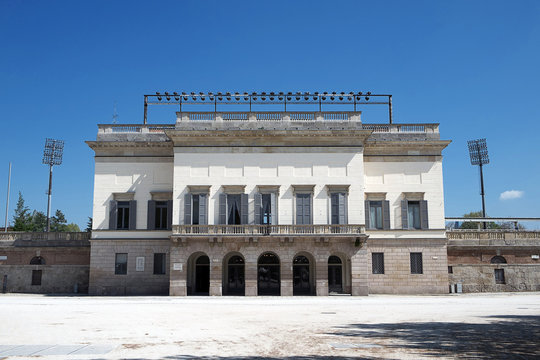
{"type": "Point", "coordinates": [206, 230]}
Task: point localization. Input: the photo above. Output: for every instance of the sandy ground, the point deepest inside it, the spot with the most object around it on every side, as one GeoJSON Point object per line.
{"type": "Point", "coordinates": [391, 327]}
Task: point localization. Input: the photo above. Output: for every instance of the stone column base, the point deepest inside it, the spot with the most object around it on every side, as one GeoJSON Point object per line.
{"type": "Point", "coordinates": [322, 288]}
{"type": "Point", "coordinates": [251, 288]}
{"type": "Point", "coordinates": [178, 288]}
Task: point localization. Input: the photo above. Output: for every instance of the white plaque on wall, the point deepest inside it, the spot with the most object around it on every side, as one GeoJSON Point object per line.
{"type": "Point", "coordinates": [177, 266]}
{"type": "Point", "coordinates": [3, 257]}
{"type": "Point", "coordinates": [139, 264]}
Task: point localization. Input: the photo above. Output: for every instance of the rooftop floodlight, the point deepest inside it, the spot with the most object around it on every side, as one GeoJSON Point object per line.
{"type": "Point", "coordinates": [478, 153]}
{"type": "Point", "coordinates": [246, 96]}
{"type": "Point", "coordinates": [167, 95]}
{"type": "Point", "coordinates": [237, 96]}
{"type": "Point", "coordinates": [176, 97]}
{"type": "Point", "coordinates": [52, 155]}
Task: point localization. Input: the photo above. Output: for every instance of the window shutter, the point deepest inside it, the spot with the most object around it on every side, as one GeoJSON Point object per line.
{"type": "Point", "coordinates": [151, 215]}
{"type": "Point", "coordinates": [386, 214]}
{"type": "Point", "coordinates": [273, 208]}
{"type": "Point", "coordinates": [342, 208]}
{"type": "Point", "coordinates": [334, 209]}
{"type": "Point", "coordinates": [112, 215]}
{"type": "Point", "coordinates": [404, 215]}
{"type": "Point", "coordinates": [133, 215]}
{"type": "Point", "coordinates": [187, 209]}
{"type": "Point", "coordinates": [258, 209]}
{"type": "Point", "coordinates": [244, 209]}
{"type": "Point", "coordinates": [299, 210]}
{"type": "Point", "coordinates": [223, 208]}
{"type": "Point", "coordinates": [169, 214]}
{"type": "Point", "coordinates": [203, 217]}
{"type": "Point", "coordinates": [307, 209]}
{"type": "Point", "coordinates": [366, 210]}
{"type": "Point", "coordinates": [423, 214]}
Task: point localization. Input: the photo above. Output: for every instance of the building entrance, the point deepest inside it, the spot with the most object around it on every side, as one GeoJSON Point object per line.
{"type": "Point", "coordinates": [268, 275]}
{"type": "Point", "coordinates": [235, 276]}
{"type": "Point", "coordinates": [301, 278]}
{"type": "Point", "coordinates": [335, 275]}
{"type": "Point", "coordinates": [202, 275]}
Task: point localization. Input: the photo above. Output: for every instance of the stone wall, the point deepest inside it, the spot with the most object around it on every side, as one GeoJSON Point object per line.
{"type": "Point", "coordinates": [315, 249]}
{"type": "Point", "coordinates": [481, 278]}
{"type": "Point", "coordinates": [104, 281]}
{"type": "Point", "coordinates": [56, 279]}
{"type": "Point", "coordinates": [397, 277]}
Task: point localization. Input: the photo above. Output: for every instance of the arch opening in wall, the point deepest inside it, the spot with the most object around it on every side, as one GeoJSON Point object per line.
{"type": "Point", "coordinates": [37, 260]}
{"type": "Point", "coordinates": [198, 277]}
{"type": "Point", "coordinates": [268, 275]}
{"type": "Point", "coordinates": [234, 275]}
{"type": "Point", "coordinates": [303, 275]}
{"type": "Point", "coordinates": [498, 260]}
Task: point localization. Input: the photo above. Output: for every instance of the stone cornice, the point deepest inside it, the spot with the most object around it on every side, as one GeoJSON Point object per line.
{"type": "Point", "coordinates": [422, 147]}
{"type": "Point", "coordinates": [133, 148]}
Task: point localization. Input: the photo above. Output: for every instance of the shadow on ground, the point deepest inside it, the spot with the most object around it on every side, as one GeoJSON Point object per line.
{"type": "Point", "coordinates": [505, 337]}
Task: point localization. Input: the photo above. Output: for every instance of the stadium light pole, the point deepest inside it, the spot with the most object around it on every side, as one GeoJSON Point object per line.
{"type": "Point", "coordinates": [52, 155]}
{"type": "Point", "coordinates": [478, 153]}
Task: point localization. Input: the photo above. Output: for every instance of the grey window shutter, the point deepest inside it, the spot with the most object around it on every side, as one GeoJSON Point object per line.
{"type": "Point", "coordinates": [341, 208]}
{"type": "Point", "coordinates": [404, 215]}
{"type": "Point", "coordinates": [203, 217]}
{"type": "Point", "coordinates": [151, 215]}
{"type": "Point", "coordinates": [386, 214]}
{"type": "Point", "coordinates": [244, 209]}
{"type": "Point", "coordinates": [334, 208]}
{"type": "Point", "coordinates": [112, 215]}
{"type": "Point", "coordinates": [299, 210]}
{"type": "Point", "coordinates": [223, 208]}
{"type": "Point", "coordinates": [423, 215]}
{"type": "Point", "coordinates": [187, 209]}
{"type": "Point", "coordinates": [273, 208]}
{"type": "Point", "coordinates": [366, 211]}
{"type": "Point", "coordinates": [133, 215]}
{"type": "Point", "coordinates": [169, 214]}
{"type": "Point", "coordinates": [258, 208]}
{"type": "Point", "coordinates": [307, 209]}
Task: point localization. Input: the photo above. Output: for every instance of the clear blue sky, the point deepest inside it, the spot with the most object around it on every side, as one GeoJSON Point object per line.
{"type": "Point", "coordinates": [472, 66]}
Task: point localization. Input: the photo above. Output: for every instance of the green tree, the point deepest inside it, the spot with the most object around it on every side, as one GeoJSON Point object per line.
{"type": "Point", "coordinates": [38, 221]}
{"type": "Point", "coordinates": [72, 227]}
{"type": "Point", "coordinates": [89, 224]}
{"type": "Point", "coordinates": [476, 225]}
{"type": "Point", "coordinates": [21, 218]}
{"type": "Point", "coordinates": [58, 222]}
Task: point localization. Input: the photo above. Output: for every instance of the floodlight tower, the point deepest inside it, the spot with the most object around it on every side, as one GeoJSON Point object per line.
{"type": "Point", "coordinates": [52, 155]}
{"type": "Point", "coordinates": [479, 156]}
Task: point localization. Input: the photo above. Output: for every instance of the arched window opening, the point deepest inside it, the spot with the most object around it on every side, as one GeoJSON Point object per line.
{"type": "Point", "coordinates": [498, 260]}
{"type": "Point", "coordinates": [37, 260]}
{"type": "Point", "coordinates": [268, 275]}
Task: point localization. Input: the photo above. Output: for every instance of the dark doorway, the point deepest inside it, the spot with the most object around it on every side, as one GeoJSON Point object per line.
{"type": "Point", "coordinates": [268, 276]}
{"type": "Point", "coordinates": [301, 278]}
{"type": "Point", "coordinates": [202, 275]}
{"type": "Point", "coordinates": [335, 275]}
{"type": "Point", "coordinates": [235, 276]}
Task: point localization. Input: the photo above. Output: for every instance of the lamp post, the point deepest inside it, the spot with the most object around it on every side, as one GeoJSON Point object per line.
{"type": "Point", "coordinates": [52, 155]}
{"type": "Point", "coordinates": [478, 153]}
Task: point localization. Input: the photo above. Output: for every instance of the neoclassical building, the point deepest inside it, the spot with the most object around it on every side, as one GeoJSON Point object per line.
{"type": "Point", "coordinates": [268, 203]}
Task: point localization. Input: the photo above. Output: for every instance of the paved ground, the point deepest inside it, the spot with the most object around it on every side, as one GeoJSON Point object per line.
{"type": "Point", "coordinates": [391, 327]}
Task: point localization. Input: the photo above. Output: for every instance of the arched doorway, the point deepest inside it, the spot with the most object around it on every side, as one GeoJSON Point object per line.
{"type": "Point", "coordinates": [202, 275]}
{"type": "Point", "coordinates": [235, 278]}
{"type": "Point", "coordinates": [335, 275]}
{"type": "Point", "coordinates": [301, 276]}
{"type": "Point", "coordinates": [268, 275]}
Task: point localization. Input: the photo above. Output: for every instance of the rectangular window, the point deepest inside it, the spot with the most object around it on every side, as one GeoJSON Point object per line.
{"type": "Point", "coordinates": [413, 214]}
{"type": "Point", "coordinates": [416, 263]}
{"type": "Point", "coordinates": [499, 276]}
{"type": "Point", "coordinates": [338, 206]}
{"type": "Point", "coordinates": [122, 215]}
{"type": "Point", "coordinates": [160, 264]}
{"type": "Point", "coordinates": [377, 263]}
{"type": "Point", "coordinates": [266, 209]}
{"type": "Point", "coordinates": [196, 209]}
{"type": "Point", "coordinates": [303, 209]}
{"type": "Point", "coordinates": [120, 264]}
{"type": "Point", "coordinates": [450, 270]}
{"type": "Point", "coordinates": [161, 215]}
{"type": "Point", "coordinates": [375, 215]}
{"type": "Point", "coordinates": [36, 277]}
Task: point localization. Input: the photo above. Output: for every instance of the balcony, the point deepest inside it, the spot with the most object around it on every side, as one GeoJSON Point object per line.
{"type": "Point", "coordinates": [262, 230]}
{"type": "Point", "coordinates": [297, 116]}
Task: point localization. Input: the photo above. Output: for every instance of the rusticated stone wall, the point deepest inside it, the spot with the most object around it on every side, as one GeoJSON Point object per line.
{"type": "Point", "coordinates": [481, 278]}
